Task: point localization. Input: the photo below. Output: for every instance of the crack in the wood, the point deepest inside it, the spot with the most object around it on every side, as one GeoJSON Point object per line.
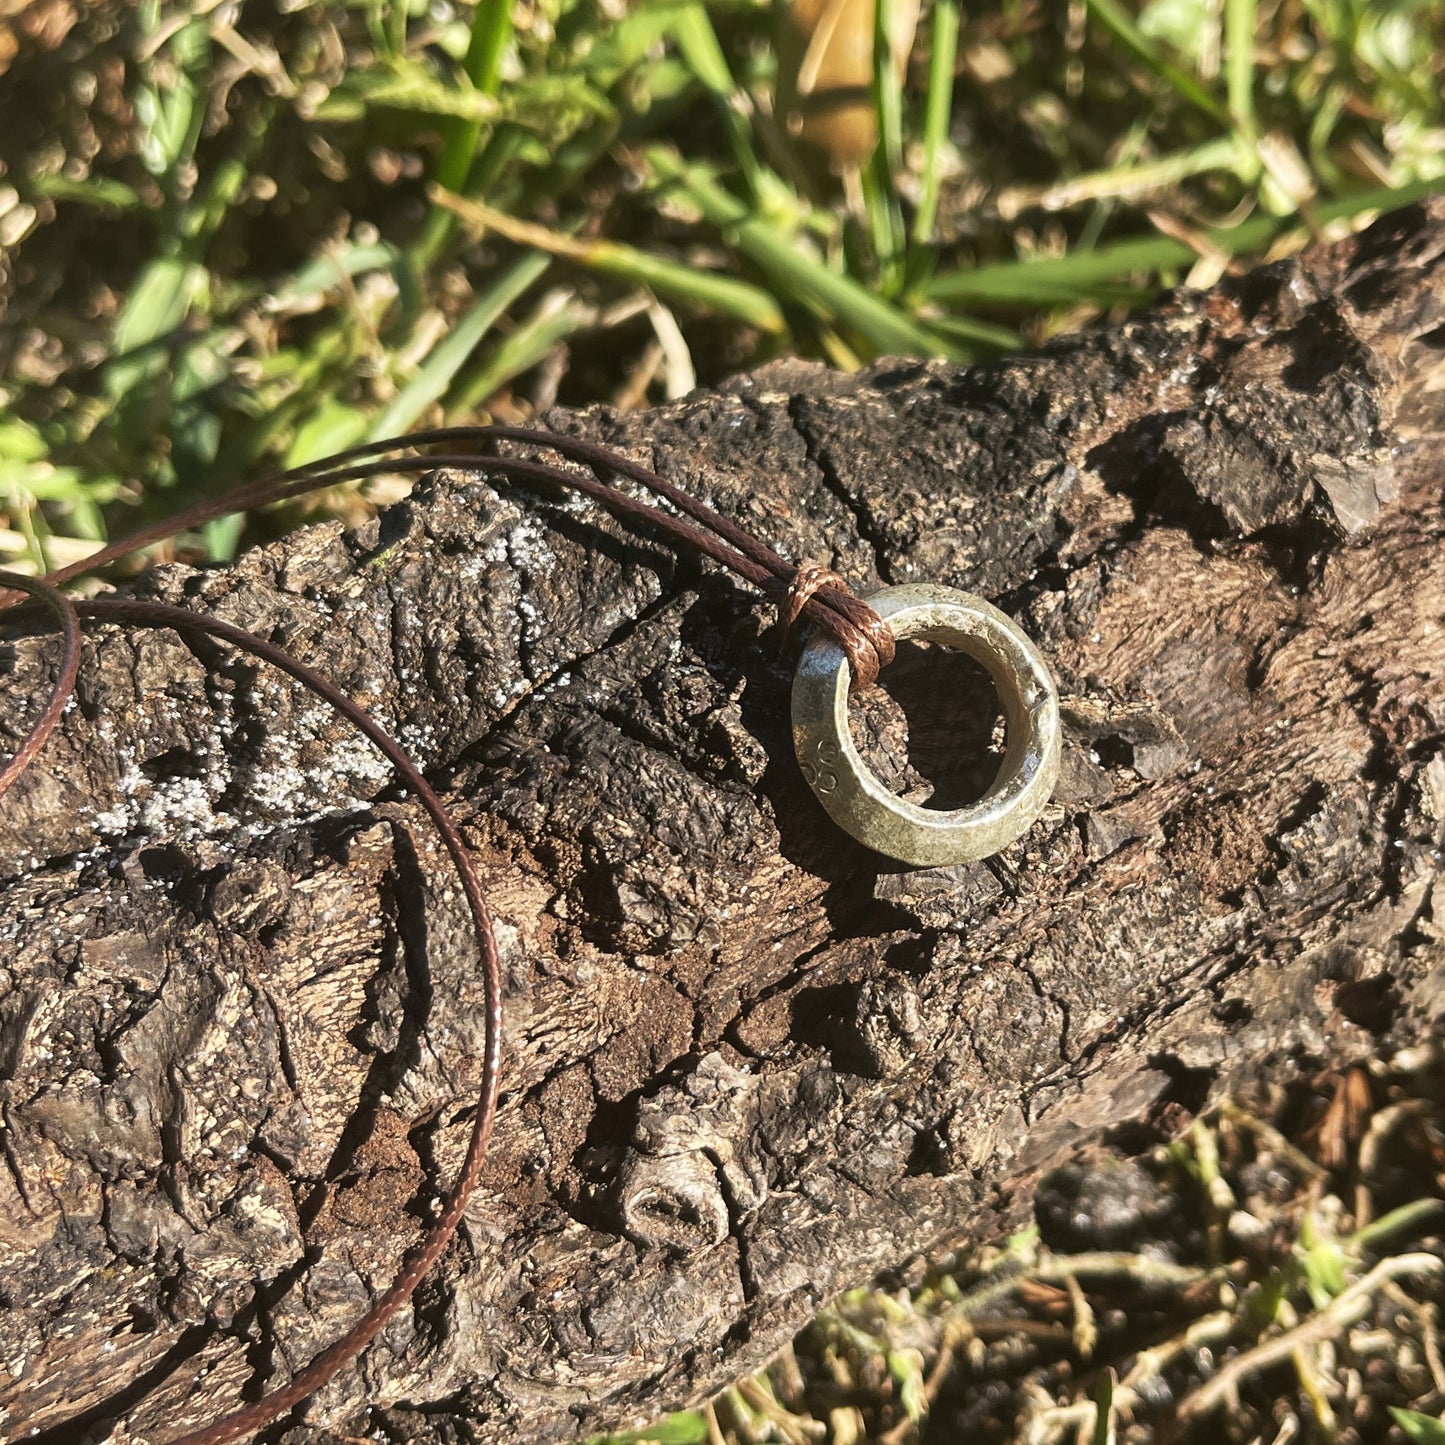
{"type": "Point", "coordinates": [106, 1227]}
{"type": "Point", "coordinates": [804, 965]}
{"type": "Point", "coordinates": [396, 599]}
{"type": "Point", "coordinates": [522, 605]}
{"type": "Point", "coordinates": [799, 970]}
{"type": "Point", "coordinates": [265, 1348]}
{"type": "Point", "coordinates": [737, 1227]}
{"type": "Point", "coordinates": [1160, 1005]}
{"type": "Point", "coordinates": [1392, 783]}
{"type": "Point", "coordinates": [864, 522]}
{"type": "Point", "coordinates": [1046, 996]}
{"type": "Point", "coordinates": [173, 1161]}
{"type": "Point", "coordinates": [452, 1408]}
{"type": "Point", "coordinates": [635, 730]}
{"type": "Point", "coordinates": [1412, 935]}
{"type": "Point", "coordinates": [288, 1168]}
{"type": "Point", "coordinates": [844, 1170]}
{"type": "Point", "coordinates": [387, 1065]}
{"type": "Point", "coordinates": [7, 1147]}
{"type": "Point", "coordinates": [284, 1055]}
{"type": "Point", "coordinates": [509, 715]}
{"type": "Point", "coordinates": [227, 682]}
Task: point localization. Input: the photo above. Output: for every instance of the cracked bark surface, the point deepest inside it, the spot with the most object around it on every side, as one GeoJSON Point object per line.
{"type": "Point", "coordinates": [749, 1063]}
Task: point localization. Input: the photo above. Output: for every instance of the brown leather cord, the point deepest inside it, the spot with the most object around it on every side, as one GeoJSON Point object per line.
{"type": "Point", "coordinates": [810, 577]}
{"type": "Point", "coordinates": [420, 1261]}
{"type": "Point", "coordinates": [39, 734]}
{"type": "Point", "coordinates": [810, 590]}
{"type": "Point", "coordinates": [865, 639]}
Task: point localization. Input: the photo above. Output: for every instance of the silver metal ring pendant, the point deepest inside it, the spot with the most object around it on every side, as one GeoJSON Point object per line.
{"type": "Point", "coordinates": [859, 803]}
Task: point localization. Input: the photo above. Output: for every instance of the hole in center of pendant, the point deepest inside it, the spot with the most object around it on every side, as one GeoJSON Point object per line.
{"type": "Point", "coordinates": [933, 730]}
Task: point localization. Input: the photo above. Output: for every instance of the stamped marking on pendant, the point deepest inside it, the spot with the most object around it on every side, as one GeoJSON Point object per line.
{"type": "Point", "coordinates": [821, 770]}
{"type": "Point", "coordinates": [855, 798]}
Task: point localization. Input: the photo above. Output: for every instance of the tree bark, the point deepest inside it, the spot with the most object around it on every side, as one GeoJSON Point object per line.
{"type": "Point", "coordinates": [749, 1064]}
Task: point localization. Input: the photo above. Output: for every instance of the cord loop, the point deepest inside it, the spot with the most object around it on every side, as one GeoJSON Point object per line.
{"type": "Point", "coordinates": [866, 640]}
{"type": "Point", "coordinates": [810, 590]}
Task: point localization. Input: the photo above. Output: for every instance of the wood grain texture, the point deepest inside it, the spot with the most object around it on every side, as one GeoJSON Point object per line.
{"type": "Point", "coordinates": [749, 1063]}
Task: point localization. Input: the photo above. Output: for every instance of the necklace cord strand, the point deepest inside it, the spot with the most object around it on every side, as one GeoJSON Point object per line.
{"type": "Point", "coordinates": [865, 639]}
{"type": "Point", "coordinates": [808, 590]}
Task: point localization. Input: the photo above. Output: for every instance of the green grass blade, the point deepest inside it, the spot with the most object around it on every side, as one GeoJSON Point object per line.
{"type": "Point", "coordinates": [978, 333]}
{"type": "Point", "coordinates": [211, 205]}
{"type": "Point", "coordinates": [20, 443]}
{"type": "Point", "coordinates": [1424, 1429]}
{"type": "Point", "coordinates": [885, 222]}
{"type": "Point", "coordinates": [1071, 278]}
{"type": "Point", "coordinates": [887, 87]}
{"type": "Point", "coordinates": [411, 88]}
{"type": "Point", "coordinates": [885, 212]}
{"type": "Point", "coordinates": [1120, 24]}
{"type": "Point", "coordinates": [491, 31]}
{"type": "Point", "coordinates": [395, 26]}
{"type": "Point", "coordinates": [686, 1427]}
{"type": "Point", "coordinates": [796, 275]}
{"type": "Point", "coordinates": [938, 110]}
{"type": "Point", "coordinates": [1160, 173]}
{"type": "Point", "coordinates": [1127, 150]}
{"type": "Point", "coordinates": [330, 427]}
{"type": "Point", "coordinates": [1239, 27]}
{"type": "Point", "coordinates": [170, 111]}
{"type": "Point", "coordinates": [722, 295]}
{"type": "Point", "coordinates": [158, 302]}
{"type": "Point", "coordinates": [1402, 1222]}
{"type": "Point", "coordinates": [440, 368]}
{"type": "Point", "coordinates": [461, 137]}
{"type": "Point", "coordinates": [324, 273]}
{"type": "Point", "coordinates": [161, 299]}
{"type": "Point", "coordinates": [558, 315]}
{"type": "Point", "coordinates": [839, 298]}
{"type": "Point", "coordinates": [102, 192]}
{"type": "Point", "coordinates": [1058, 279]}
{"type": "Point", "coordinates": [698, 44]}
{"type": "Point", "coordinates": [30, 523]}
{"type": "Point", "coordinates": [1103, 1433]}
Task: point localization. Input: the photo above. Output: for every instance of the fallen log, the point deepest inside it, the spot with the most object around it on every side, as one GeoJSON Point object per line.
{"type": "Point", "coordinates": [749, 1063]}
